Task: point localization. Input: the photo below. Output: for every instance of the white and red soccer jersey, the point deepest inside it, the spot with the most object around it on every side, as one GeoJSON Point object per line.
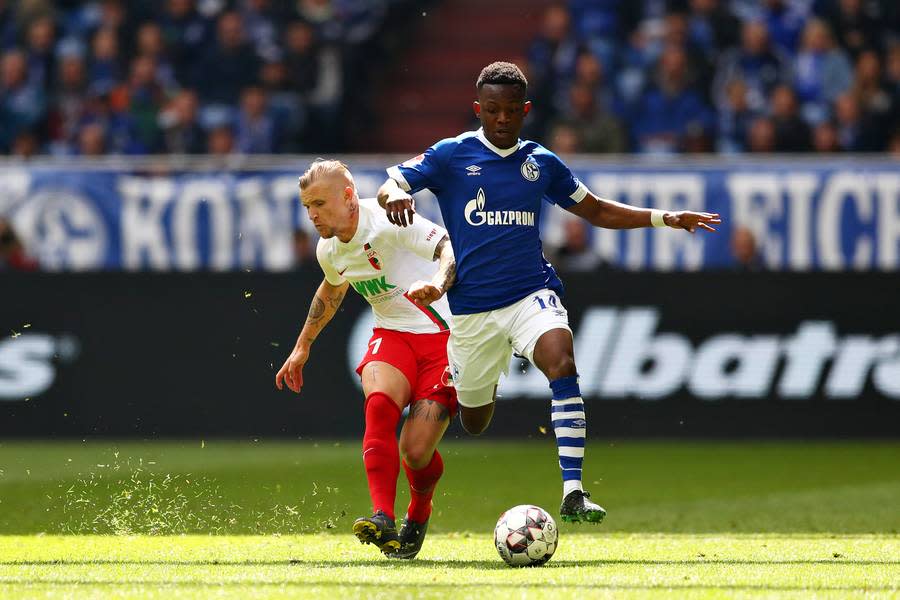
{"type": "Point", "coordinates": [381, 261]}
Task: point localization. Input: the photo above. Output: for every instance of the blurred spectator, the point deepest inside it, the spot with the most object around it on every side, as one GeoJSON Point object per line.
{"type": "Point", "coordinates": [119, 131]}
{"type": "Point", "coordinates": [41, 59]}
{"type": "Point", "coordinates": [22, 102]}
{"type": "Point", "coordinates": [755, 63]}
{"type": "Point", "coordinates": [181, 134]}
{"type": "Point", "coordinates": [220, 141]}
{"type": "Point", "coordinates": [141, 98]}
{"type": "Point", "coordinates": [855, 134]}
{"type": "Point", "coordinates": [256, 131]}
{"type": "Point", "coordinates": [598, 131]}
{"type": "Point", "coordinates": [92, 140]}
{"type": "Point", "coordinates": [892, 70]}
{"type": "Point", "coordinates": [8, 29]}
{"type": "Point", "coordinates": [855, 24]}
{"type": "Point", "coordinates": [761, 138]}
{"type": "Point", "coordinates": [821, 71]}
{"type": "Point", "coordinates": [785, 20]}
{"type": "Point", "coordinates": [734, 119]}
{"type": "Point", "coordinates": [301, 57]}
{"type": "Point", "coordinates": [791, 132]}
{"type": "Point", "coordinates": [261, 24]}
{"type": "Point", "coordinates": [228, 66]}
{"type": "Point", "coordinates": [744, 251]}
{"type": "Point", "coordinates": [576, 253]}
{"type": "Point", "coordinates": [669, 113]}
{"type": "Point", "coordinates": [287, 105]}
{"type": "Point", "coordinates": [564, 139]}
{"type": "Point", "coordinates": [13, 256]}
{"type": "Point", "coordinates": [711, 27]}
{"type": "Point", "coordinates": [825, 138]}
{"type": "Point", "coordinates": [676, 32]}
{"type": "Point", "coordinates": [105, 70]}
{"type": "Point", "coordinates": [187, 35]}
{"type": "Point", "coordinates": [68, 104]}
{"type": "Point", "coordinates": [879, 106]}
{"type": "Point", "coordinates": [894, 145]}
{"type": "Point", "coordinates": [304, 252]}
{"type": "Point", "coordinates": [552, 54]}
{"type": "Point", "coordinates": [150, 43]}
{"type": "Point", "coordinates": [25, 145]}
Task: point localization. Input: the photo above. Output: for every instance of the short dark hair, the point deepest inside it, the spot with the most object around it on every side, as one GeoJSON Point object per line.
{"type": "Point", "coordinates": [502, 73]}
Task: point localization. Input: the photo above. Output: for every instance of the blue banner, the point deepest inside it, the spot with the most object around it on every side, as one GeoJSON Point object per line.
{"type": "Point", "coordinates": [804, 214]}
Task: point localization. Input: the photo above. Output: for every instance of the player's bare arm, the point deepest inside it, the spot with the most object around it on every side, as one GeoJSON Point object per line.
{"type": "Point", "coordinates": [425, 292]}
{"type": "Point", "coordinates": [324, 305]}
{"type": "Point", "coordinates": [610, 214]}
{"type": "Point", "coordinates": [399, 205]}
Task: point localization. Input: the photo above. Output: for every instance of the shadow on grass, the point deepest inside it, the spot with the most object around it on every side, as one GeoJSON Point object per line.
{"type": "Point", "coordinates": [369, 585]}
{"type": "Point", "coordinates": [443, 564]}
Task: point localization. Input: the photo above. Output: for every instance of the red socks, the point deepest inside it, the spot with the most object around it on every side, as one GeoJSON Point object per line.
{"type": "Point", "coordinates": [421, 487]}
{"type": "Point", "coordinates": [381, 455]}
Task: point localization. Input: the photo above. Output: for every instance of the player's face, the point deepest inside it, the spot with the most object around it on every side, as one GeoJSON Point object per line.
{"type": "Point", "coordinates": [501, 109]}
{"type": "Point", "coordinates": [328, 203]}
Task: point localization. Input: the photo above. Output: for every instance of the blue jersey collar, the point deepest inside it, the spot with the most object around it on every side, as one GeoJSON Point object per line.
{"type": "Point", "coordinates": [495, 149]}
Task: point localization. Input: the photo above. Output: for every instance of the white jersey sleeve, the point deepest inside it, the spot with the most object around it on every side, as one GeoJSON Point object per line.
{"type": "Point", "coordinates": [331, 274]}
{"type": "Point", "coordinates": [421, 237]}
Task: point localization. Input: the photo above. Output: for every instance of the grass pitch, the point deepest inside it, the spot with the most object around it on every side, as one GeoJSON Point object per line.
{"type": "Point", "coordinates": [226, 519]}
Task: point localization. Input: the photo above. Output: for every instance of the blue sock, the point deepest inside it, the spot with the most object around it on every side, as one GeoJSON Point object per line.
{"type": "Point", "coordinates": [567, 416]}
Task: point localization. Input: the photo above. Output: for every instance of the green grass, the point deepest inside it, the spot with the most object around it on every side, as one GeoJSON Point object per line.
{"type": "Point", "coordinates": [270, 519]}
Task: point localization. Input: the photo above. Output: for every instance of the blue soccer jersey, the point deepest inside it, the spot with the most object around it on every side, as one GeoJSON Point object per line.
{"type": "Point", "coordinates": [491, 201]}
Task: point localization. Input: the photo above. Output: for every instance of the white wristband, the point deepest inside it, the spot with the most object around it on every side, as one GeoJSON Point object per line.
{"type": "Point", "coordinates": [656, 218]}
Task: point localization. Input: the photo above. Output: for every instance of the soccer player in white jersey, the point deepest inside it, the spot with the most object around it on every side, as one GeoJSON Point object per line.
{"type": "Point", "coordinates": [491, 187]}
{"type": "Point", "coordinates": [406, 360]}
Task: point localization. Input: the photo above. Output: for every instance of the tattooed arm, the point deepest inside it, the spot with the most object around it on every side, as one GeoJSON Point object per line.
{"type": "Point", "coordinates": [324, 305]}
{"type": "Point", "coordinates": [427, 292]}
{"type": "Point", "coordinates": [446, 273]}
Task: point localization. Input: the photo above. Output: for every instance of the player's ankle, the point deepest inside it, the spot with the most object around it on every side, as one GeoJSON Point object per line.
{"type": "Point", "coordinates": [571, 485]}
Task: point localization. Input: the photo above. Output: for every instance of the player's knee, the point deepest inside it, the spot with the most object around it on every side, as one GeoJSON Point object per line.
{"type": "Point", "coordinates": [564, 366]}
{"type": "Point", "coordinates": [473, 422]}
{"type": "Point", "coordinates": [416, 455]}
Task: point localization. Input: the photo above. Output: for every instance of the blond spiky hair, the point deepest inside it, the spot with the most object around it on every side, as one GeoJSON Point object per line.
{"type": "Point", "coordinates": [322, 168]}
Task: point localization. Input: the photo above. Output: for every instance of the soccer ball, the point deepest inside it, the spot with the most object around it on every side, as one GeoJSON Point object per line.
{"type": "Point", "coordinates": [525, 536]}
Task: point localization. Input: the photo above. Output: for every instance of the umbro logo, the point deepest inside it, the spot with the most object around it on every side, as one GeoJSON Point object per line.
{"type": "Point", "coordinates": [473, 170]}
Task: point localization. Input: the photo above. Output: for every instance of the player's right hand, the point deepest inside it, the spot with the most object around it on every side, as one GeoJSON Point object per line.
{"type": "Point", "coordinates": [400, 210]}
{"type": "Point", "coordinates": [291, 372]}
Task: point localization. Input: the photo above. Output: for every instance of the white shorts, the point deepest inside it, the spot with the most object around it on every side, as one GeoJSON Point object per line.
{"type": "Point", "coordinates": [481, 344]}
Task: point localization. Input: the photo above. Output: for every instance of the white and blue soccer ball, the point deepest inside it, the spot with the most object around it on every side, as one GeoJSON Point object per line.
{"type": "Point", "coordinates": [526, 536]}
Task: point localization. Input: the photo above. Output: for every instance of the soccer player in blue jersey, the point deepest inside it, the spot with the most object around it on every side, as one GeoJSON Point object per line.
{"type": "Point", "coordinates": [491, 187]}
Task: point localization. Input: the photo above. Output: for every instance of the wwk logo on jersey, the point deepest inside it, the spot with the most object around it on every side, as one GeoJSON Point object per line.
{"type": "Point", "coordinates": [373, 257]}
{"type": "Point", "coordinates": [476, 215]}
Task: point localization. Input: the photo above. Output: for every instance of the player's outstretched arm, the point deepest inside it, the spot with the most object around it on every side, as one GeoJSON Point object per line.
{"type": "Point", "coordinates": [324, 305]}
{"type": "Point", "coordinates": [615, 215]}
{"type": "Point", "coordinates": [399, 205]}
{"type": "Point", "coordinates": [426, 292]}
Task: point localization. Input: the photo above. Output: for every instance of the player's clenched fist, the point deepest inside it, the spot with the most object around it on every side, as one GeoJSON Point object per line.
{"type": "Point", "coordinates": [424, 292]}
{"type": "Point", "coordinates": [291, 372]}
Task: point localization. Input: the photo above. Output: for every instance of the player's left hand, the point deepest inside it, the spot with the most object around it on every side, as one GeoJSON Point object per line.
{"type": "Point", "coordinates": [692, 221]}
{"type": "Point", "coordinates": [424, 292]}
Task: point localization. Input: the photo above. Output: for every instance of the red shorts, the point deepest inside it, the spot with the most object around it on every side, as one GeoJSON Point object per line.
{"type": "Point", "coordinates": [421, 357]}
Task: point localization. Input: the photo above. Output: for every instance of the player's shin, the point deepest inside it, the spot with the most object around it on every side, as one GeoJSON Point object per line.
{"type": "Point", "coordinates": [422, 483]}
{"type": "Point", "coordinates": [568, 419]}
{"type": "Point", "coordinates": [381, 455]}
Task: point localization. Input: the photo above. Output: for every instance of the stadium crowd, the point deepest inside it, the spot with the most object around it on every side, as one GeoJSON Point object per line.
{"type": "Point", "coordinates": [186, 76]}
{"type": "Point", "coordinates": [727, 76]}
